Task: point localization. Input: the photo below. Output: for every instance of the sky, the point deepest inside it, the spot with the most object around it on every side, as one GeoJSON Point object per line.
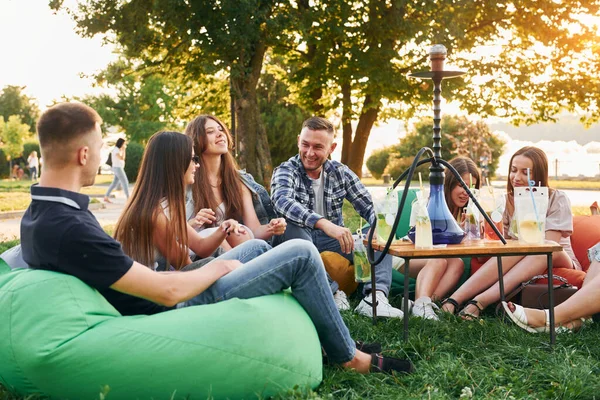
{"type": "Point", "coordinates": [42, 51]}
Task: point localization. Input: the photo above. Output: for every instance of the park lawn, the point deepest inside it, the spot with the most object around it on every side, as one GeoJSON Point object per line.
{"type": "Point", "coordinates": [486, 359]}
{"type": "Point", "coordinates": [575, 184]}
{"type": "Point", "coordinates": [14, 195]}
{"type": "Point", "coordinates": [18, 201]}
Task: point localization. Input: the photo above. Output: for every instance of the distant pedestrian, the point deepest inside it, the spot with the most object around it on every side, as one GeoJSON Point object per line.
{"type": "Point", "coordinates": [17, 168]}
{"type": "Point", "coordinates": [33, 163]}
{"type": "Point", "coordinates": [118, 168]}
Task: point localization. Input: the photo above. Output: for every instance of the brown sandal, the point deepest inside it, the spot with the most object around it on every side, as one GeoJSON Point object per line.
{"type": "Point", "coordinates": [470, 316]}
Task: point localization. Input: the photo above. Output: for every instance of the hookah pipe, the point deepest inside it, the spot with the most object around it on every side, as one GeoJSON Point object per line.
{"type": "Point", "coordinates": [437, 56]}
{"type": "Point", "coordinates": [408, 174]}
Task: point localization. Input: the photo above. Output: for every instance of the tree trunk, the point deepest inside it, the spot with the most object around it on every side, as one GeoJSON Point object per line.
{"type": "Point", "coordinates": [254, 153]}
{"type": "Point", "coordinates": [368, 116]}
{"type": "Point", "coordinates": [346, 122]}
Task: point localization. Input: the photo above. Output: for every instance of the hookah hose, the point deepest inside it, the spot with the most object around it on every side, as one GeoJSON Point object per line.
{"type": "Point", "coordinates": [408, 174]}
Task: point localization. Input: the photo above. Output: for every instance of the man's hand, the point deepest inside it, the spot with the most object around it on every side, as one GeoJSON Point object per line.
{"type": "Point", "coordinates": [204, 216]}
{"type": "Point", "coordinates": [342, 234]}
{"type": "Point", "coordinates": [277, 226]}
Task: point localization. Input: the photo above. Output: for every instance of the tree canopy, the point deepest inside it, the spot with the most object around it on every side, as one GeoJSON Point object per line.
{"type": "Point", "coordinates": [461, 138]}
{"type": "Point", "coordinates": [194, 38]}
{"type": "Point", "coordinates": [525, 60]}
{"type": "Point", "coordinates": [14, 102]}
{"type": "Point", "coordinates": [13, 133]}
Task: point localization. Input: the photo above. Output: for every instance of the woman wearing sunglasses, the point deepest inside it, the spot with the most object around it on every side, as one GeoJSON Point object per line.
{"type": "Point", "coordinates": [150, 228]}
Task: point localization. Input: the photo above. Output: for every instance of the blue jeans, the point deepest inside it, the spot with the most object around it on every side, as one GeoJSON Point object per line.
{"type": "Point", "coordinates": [120, 177]}
{"type": "Point", "coordinates": [296, 265]}
{"type": "Point", "coordinates": [383, 271]}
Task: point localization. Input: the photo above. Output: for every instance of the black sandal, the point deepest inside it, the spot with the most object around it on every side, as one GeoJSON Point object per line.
{"type": "Point", "coordinates": [368, 348]}
{"type": "Point", "coordinates": [387, 365]}
{"type": "Point", "coordinates": [453, 302]}
{"type": "Point", "coordinates": [470, 316]}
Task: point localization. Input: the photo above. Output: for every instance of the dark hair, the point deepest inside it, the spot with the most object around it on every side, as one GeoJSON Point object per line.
{"type": "Point", "coordinates": [463, 165]}
{"type": "Point", "coordinates": [120, 142]}
{"type": "Point", "coordinates": [231, 183]}
{"type": "Point", "coordinates": [318, 124]}
{"type": "Point", "coordinates": [162, 177]}
{"type": "Point", "coordinates": [62, 123]}
{"type": "Point", "coordinates": [66, 121]}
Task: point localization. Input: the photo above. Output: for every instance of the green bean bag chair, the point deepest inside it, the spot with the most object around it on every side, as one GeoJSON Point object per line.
{"type": "Point", "coordinates": [62, 339]}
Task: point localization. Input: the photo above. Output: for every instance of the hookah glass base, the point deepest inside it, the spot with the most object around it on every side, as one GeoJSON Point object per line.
{"type": "Point", "coordinates": [444, 228]}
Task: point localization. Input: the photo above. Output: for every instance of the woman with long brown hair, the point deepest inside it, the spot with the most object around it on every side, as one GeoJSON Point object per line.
{"type": "Point", "coordinates": [221, 190]}
{"type": "Point", "coordinates": [154, 221]}
{"type": "Point", "coordinates": [482, 287]}
{"type": "Point", "coordinates": [152, 228]}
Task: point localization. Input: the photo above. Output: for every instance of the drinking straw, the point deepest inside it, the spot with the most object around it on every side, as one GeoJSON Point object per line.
{"type": "Point", "coordinates": [491, 189]}
{"type": "Point", "coordinates": [530, 183]}
{"type": "Point", "coordinates": [421, 184]}
{"type": "Point", "coordinates": [470, 181]}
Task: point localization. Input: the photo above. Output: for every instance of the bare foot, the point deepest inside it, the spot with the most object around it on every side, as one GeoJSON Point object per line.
{"type": "Point", "coordinates": [450, 305]}
{"type": "Point", "coordinates": [361, 362]}
{"type": "Point", "coordinates": [107, 200]}
{"type": "Point", "coordinates": [449, 308]}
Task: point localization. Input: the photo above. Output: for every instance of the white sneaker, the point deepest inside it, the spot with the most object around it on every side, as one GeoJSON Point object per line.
{"type": "Point", "coordinates": [384, 309]}
{"type": "Point", "coordinates": [410, 306]}
{"type": "Point", "coordinates": [341, 301]}
{"type": "Point", "coordinates": [425, 308]}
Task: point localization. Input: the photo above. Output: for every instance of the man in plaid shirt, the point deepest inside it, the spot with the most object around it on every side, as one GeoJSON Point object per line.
{"type": "Point", "coordinates": [309, 191]}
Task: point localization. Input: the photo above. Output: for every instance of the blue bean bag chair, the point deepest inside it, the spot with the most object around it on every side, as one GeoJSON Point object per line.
{"type": "Point", "coordinates": [62, 339]}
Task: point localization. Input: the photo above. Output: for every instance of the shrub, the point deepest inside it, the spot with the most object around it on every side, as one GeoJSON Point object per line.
{"type": "Point", "coordinates": [397, 165]}
{"type": "Point", "coordinates": [28, 147]}
{"type": "Point", "coordinates": [133, 159]}
{"type": "Point", "coordinates": [4, 165]}
{"type": "Point", "coordinates": [378, 161]}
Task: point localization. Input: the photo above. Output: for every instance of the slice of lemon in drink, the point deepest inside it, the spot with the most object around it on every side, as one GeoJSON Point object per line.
{"type": "Point", "coordinates": [530, 232]}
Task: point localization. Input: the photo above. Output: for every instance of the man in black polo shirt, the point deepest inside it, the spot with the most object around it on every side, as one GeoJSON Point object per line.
{"type": "Point", "coordinates": [59, 233]}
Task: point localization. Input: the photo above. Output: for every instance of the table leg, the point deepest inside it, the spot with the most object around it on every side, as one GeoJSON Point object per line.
{"type": "Point", "coordinates": [500, 278]}
{"type": "Point", "coordinates": [551, 299]}
{"type": "Point", "coordinates": [405, 299]}
{"type": "Point", "coordinates": [373, 295]}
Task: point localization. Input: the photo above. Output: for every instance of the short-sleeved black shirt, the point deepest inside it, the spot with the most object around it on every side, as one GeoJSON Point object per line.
{"type": "Point", "coordinates": [59, 233]}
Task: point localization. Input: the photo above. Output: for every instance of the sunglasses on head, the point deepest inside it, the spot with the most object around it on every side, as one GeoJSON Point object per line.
{"type": "Point", "coordinates": [196, 159]}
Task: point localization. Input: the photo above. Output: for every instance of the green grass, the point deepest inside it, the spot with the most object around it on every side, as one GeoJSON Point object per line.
{"type": "Point", "coordinates": [14, 195]}
{"type": "Point", "coordinates": [17, 201]}
{"type": "Point", "coordinates": [490, 359]}
{"type": "Point", "coordinates": [486, 359]}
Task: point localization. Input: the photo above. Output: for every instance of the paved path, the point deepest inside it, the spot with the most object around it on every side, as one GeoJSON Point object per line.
{"type": "Point", "coordinates": [10, 228]}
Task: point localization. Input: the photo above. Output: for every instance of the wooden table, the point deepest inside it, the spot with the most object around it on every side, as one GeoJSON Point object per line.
{"type": "Point", "coordinates": [475, 248]}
